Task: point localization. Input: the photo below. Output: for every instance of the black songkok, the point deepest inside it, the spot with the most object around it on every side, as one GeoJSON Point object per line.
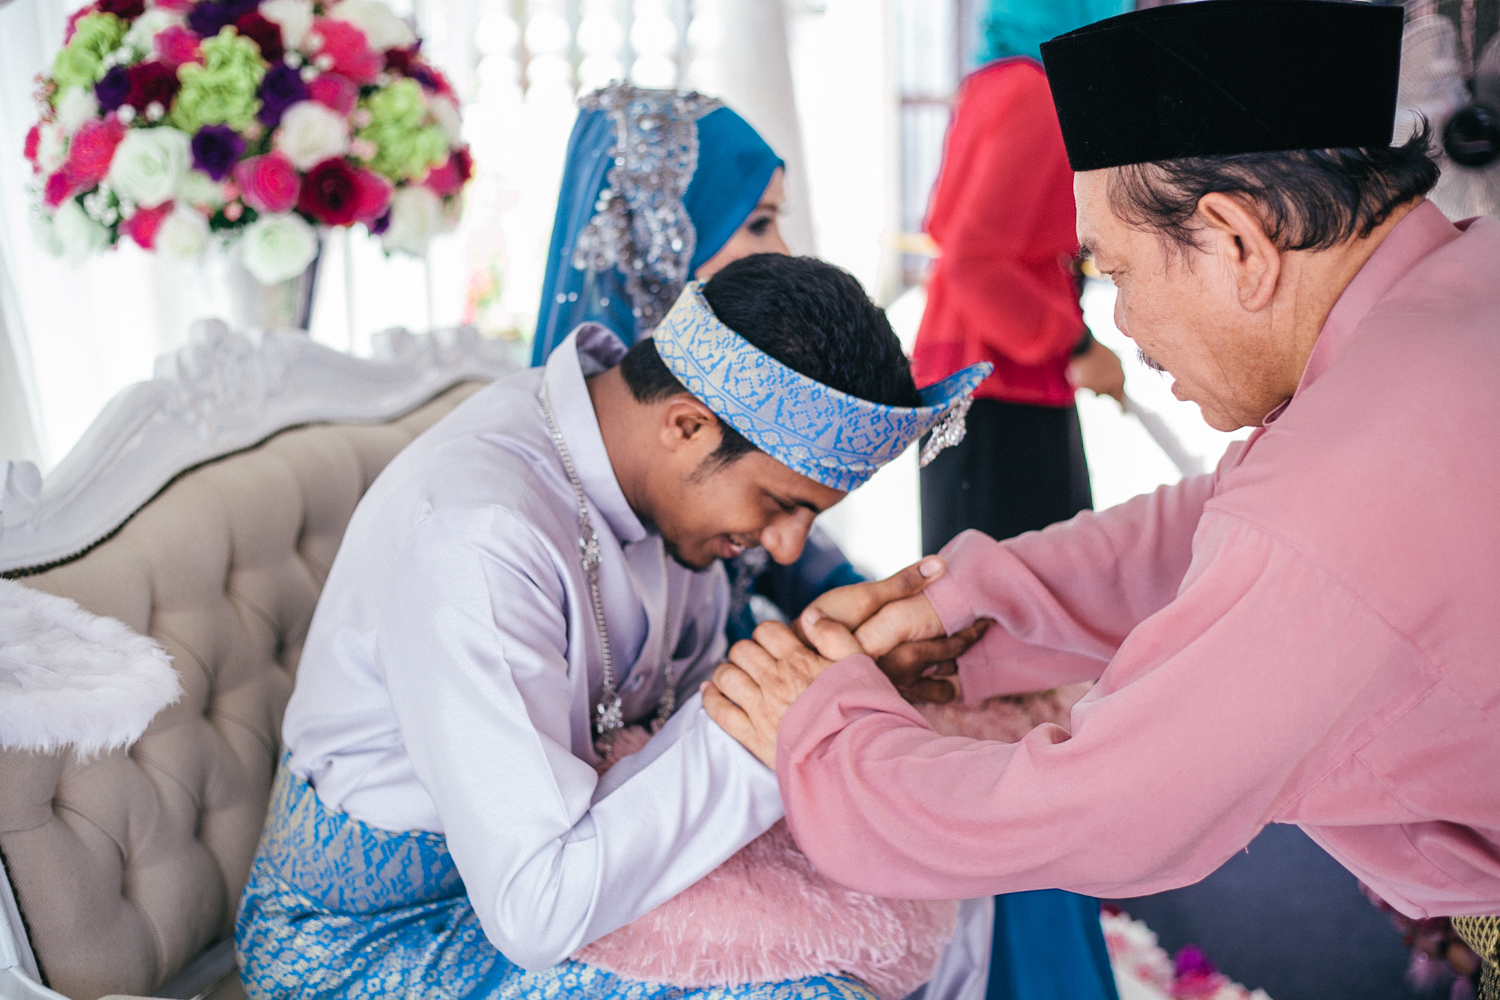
{"type": "Point", "coordinates": [1226, 76]}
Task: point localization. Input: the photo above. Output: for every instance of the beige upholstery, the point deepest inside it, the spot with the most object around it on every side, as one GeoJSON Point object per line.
{"type": "Point", "coordinates": [126, 867]}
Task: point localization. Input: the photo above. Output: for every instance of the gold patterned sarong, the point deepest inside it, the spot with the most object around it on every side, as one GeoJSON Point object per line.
{"type": "Point", "coordinates": [1482, 934]}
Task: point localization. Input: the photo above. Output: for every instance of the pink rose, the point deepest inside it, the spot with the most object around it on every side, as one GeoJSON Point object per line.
{"type": "Point", "coordinates": [143, 225]}
{"type": "Point", "coordinates": [350, 53]}
{"type": "Point", "coordinates": [374, 196]}
{"type": "Point", "coordinates": [33, 142]}
{"type": "Point", "coordinates": [269, 183]}
{"type": "Point", "coordinates": [91, 151]}
{"type": "Point", "coordinates": [176, 6]}
{"type": "Point", "coordinates": [177, 46]}
{"type": "Point", "coordinates": [448, 178]}
{"type": "Point", "coordinates": [58, 189]}
{"type": "Point", "coordinates": [334, 91]}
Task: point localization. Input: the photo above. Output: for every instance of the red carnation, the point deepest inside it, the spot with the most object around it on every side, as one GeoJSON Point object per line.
{"type": "Point", "coordinates": [334, 91]}
{"type": "Point", "coordinates": [151, 83]}
{"type": "Point", "coordinates": [178, 46]}
{"type": "Point", "coordinates": [127, 10]}
{"type": "Point", "coordinates": [91, 151]}
{"type": "Point", "coordinates": [58, 189]}
{"type": "Point", "coordinates": [143, 225]}
{"type": "Point", "coordinates": [348, 49]}
{"type": "Point", "coordinates": [33, 141]}
{"type": "Point", "coordinates": [268, 183]}
{"type": "Point", "coordinates": [399, 60]}
{"type": "Point", "coordinates": [263, 32]}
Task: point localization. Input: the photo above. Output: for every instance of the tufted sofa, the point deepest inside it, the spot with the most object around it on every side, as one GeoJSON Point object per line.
{"type": "Point", "coordinates": [127, 869]}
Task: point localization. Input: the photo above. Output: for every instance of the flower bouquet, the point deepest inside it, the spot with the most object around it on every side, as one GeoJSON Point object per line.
{"type": "Point", "coordinates": [170, 122]}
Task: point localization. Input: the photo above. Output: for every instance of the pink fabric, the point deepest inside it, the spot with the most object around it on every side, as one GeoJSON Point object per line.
{"type": "Point", "coordinates": [1307, 636]}
{"type": "Point", "coordinates": [766, 915]}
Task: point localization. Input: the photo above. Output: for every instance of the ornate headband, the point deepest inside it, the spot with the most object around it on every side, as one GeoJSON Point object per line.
{"type": "Point", "coordinates": [829, 436]}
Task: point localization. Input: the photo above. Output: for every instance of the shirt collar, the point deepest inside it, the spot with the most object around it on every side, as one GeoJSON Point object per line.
{"type": "Point", "coordinates": [1424, 230]}
{"type": "Point", "coordinates": [588, 350]}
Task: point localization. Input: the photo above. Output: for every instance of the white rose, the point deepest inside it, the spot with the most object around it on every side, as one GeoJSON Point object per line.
{"type": "Point", "coordinates": [183, 233]}
{"type": "Point", "coordinates": [416, 214]}
{"type": "Point", "coordinates": [51, 147]}
{"type": "Point", "coordinates": [79, 236]}
{"type": "Point", "coordinates": [445, 113]}
{"type": "Point", "coordinates": [149, 164]}
{"type": "Point", "coordinates": [383, 29]}
{"type": "Point", "coordinates": [141, 38]}
{"type": "Point", "coordinates": [76, 106]}
{"type": "Point", "coordinates": [311, 133]}
{"type": "Point", "coordinates": [278, 247]}
{"type": "Point", "coordinates": [294, 17]}
{"type": "Point", "coordinates": [197, 188]}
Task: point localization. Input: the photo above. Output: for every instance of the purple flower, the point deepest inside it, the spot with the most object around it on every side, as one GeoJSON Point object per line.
{"type": "Point", "coordinates": [1191, 962]}
{"type": "Point", "coordinates": [381, 224]}
{"type": "Point", "coordinates": [209, 16]}
{"type": "Point", "coordinates": [113, 89]}
{"type": "Point", "coordinates": [281, 88]}
{"type": "Point", "coordinates": [216, 149]}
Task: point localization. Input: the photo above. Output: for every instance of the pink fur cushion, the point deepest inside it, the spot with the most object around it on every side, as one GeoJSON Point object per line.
{"type": "Point", "coordinates": [767, 915]}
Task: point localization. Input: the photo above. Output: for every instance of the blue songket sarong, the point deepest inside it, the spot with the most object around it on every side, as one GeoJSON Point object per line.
{"type": "Point", "coordinates": [337, 908]}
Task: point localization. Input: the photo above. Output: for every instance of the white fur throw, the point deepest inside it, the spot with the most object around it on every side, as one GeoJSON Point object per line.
{"type": "Point", "coordinates": [71, 678]}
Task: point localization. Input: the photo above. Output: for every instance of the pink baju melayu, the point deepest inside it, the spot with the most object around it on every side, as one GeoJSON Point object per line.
{"type": "Point", "coordinates": [1309, 635]}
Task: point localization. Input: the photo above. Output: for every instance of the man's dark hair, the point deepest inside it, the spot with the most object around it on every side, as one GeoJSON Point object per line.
{"type": "Point", "coordinates": [811, 316]}
{"type": "Point", "coordinates": [1308, 199]}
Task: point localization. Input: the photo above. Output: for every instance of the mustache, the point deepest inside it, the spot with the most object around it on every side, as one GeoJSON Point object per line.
{"type": "Point", "coordinates": [1149, 361]}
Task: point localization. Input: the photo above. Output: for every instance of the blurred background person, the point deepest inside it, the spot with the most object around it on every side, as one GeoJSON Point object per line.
{"type": "Point", "coordinates": [1004, 289]}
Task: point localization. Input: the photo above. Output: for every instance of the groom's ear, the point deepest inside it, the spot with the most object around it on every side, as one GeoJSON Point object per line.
{"type": "Point", "coordinates": [686, 424]}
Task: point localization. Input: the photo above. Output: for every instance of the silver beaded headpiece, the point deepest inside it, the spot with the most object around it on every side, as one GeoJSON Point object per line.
{"type": "Point", "coordinates": [640, 225]}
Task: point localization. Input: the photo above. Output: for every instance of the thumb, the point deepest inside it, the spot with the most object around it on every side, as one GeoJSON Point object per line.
{"type": "Point", "coordinates": [830, 638]}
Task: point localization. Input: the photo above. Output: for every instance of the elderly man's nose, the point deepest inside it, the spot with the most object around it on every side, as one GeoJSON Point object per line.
{"type": "Point", "coordinates": [784, 537]}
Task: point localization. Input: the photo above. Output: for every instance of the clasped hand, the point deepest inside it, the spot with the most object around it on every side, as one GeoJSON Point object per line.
{"type": "Point", "coordinates": [889, 620]}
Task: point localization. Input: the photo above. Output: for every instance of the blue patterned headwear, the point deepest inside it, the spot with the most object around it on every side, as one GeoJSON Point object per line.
{"type": "Point", "coordinates": [656, 183]}
{"type": "Point", "coordinates": [829, 436]}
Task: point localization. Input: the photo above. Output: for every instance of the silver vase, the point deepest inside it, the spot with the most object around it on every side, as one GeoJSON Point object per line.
{"type": "Point", "coordinates": [246, 304]}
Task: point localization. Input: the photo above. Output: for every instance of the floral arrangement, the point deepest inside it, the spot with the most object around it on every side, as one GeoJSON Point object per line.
{"type": "Point", "coordinates": [1136, 956]}
{"type": "Point", "coordinates": [170, 121]}
{"type": "Point", "coordinates": [1439, 957]}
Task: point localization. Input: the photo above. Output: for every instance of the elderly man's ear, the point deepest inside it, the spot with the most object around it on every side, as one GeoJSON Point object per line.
{"type": "Point", "coordinates": [1238, 235]}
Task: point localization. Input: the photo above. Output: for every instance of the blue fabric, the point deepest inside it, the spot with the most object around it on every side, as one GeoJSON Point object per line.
{"type": "Point", "coordinates": [1019, 27]}
{"type": "Point", "coordinates": [829, 436]}
{"type": "Point", "coordinates": [734, 167]}
{"type": "Point", "coordinates": [335, 908]}
{"type": "Point", "coordinates": [1048, 945]}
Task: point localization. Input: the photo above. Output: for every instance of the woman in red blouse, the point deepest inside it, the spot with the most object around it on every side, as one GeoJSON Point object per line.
{"type": "Point", "coordinates": [1004, 289]}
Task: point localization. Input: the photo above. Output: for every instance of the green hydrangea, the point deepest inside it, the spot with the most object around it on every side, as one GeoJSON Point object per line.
{"type": "Point", "coordinates": [406, 144]}
{"type": "Point", "coordinates": [81, 63]}
{"type": "Point", "coordinates": [223, 90]}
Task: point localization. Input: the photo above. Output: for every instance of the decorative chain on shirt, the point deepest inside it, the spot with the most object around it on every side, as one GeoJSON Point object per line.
{"type": "Point", "coordinates": [609, 713]}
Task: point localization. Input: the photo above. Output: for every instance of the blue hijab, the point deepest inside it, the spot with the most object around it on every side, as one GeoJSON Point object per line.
{"type": "Point", "coordinates": [611, 208]}
{"type": "Point", "coordinates": [1019, 27]}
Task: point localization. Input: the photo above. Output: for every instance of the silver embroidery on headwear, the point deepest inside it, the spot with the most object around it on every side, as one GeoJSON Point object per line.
{"type": "Point", "coordinates": [640, 225]}
{"type": "Point", "coordinates": [948, 431]}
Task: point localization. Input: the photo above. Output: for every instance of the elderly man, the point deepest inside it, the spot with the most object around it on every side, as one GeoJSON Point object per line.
{"type": "Point", "coordinates": [1309, 634]}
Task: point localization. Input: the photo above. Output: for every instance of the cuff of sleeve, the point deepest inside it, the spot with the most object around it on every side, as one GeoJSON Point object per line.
{"type": "Point", "coordinates": [951, 603]}
{"type": "Point", "coordinates": [853, 683]}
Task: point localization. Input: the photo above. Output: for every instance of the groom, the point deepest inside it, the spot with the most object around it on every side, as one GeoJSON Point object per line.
{"type": "Point", "coordinates": [538, 570]}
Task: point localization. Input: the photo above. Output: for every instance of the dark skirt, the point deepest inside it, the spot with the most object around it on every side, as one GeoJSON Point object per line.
{"type": "Point", "coordinates": [1019, 468]}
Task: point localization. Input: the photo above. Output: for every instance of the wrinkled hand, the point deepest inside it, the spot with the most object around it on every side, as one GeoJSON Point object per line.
{"type": "Point", "coordinates": [749, 695]}
{"type": "Point", "coordinates": [1098, 369]}
{"type": "Point", "coordinates": [926, 670]}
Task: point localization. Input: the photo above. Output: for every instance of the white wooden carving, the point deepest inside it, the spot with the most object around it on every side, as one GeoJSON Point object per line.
{"type": "Point", "coordinates": [221, 393]}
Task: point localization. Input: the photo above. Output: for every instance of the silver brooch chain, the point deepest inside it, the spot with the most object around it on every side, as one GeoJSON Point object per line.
{"type": "Point", "coordinates": [609, 714]}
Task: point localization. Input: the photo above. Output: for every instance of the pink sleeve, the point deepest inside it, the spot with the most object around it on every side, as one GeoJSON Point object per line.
{"type": "Point", "coordinates": [1193, 739]}
{"type": "Point", "coordinates": [1066, 597]}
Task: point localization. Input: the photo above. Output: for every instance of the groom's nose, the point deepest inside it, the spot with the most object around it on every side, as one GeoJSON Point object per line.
{"type": "Point", "coordinates": [784, 537]}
